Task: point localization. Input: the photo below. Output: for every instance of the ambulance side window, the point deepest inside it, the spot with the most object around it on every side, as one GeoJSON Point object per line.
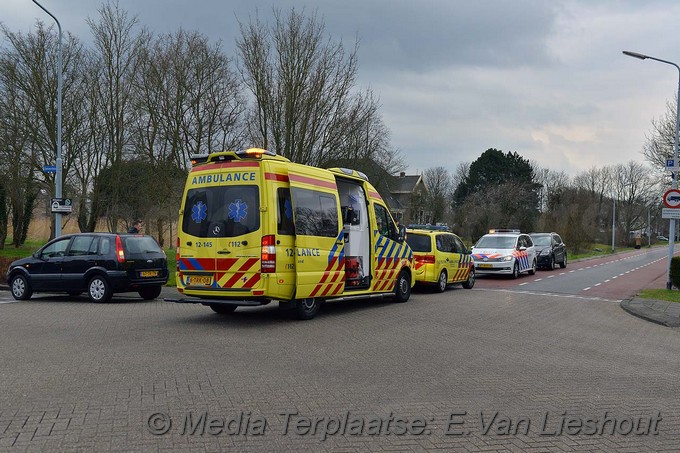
{"type": "Point", "coordinates": [316, 213]}
{"type": "Point", "coordinates": [385, 223]}
{"type": "Point", "coordinates": [284, 213]}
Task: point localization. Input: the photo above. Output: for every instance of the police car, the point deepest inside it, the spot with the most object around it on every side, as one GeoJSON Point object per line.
{"type": "Point", "coordinates": [506, 252]}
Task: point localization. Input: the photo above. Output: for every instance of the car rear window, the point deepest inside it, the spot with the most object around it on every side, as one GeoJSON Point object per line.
{"type": "Point", "coordinates": [140, 244]}
{"type": "Point", "coordinates": [419, 242]}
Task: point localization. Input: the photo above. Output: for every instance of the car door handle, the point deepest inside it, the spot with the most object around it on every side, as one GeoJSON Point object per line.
{"type": "Point", "coordinates": [224, 252]}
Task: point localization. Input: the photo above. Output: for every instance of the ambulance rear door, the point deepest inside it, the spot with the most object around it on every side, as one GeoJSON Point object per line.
{"type": "Point", "coordinates": [319, 240]}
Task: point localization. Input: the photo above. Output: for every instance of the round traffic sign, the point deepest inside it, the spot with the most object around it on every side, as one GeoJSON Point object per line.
{"type": "Point", "coordinates": [671, 199]}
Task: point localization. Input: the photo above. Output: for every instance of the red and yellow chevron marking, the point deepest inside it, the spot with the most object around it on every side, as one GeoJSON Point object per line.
{"type": "Point", "coordinates": [237, 273]}
{"type": "Point", "coordinates": [461, 274]}
{"type": "Point", "coordinates": [464, 266]}
{"type": "Point", "coordinates": [333, 280]}
{"type": "Point", "coordinates": [386, 273]}
{"type": "Point", "coordinates": [227, 272]}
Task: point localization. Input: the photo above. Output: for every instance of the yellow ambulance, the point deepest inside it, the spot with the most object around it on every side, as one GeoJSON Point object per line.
{"type": "Point", "coordinates": [255, 227]}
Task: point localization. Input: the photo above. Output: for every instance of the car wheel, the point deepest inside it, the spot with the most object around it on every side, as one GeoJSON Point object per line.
{"type": "Point", "coordinates": [470, 282]}
{"type": "Point", "coordinates": [563, 264]}
{"type": "Point", "coordinates": [441, 283]}
{"type": "Point", "coordinates": [515, 270]}
{"type": "Point", "coordinates": [402, 289]}
{"type": "Point", "coordinates": [223, 309]}
{"type": "Point", "coordinates": [307, 308]}
{"type": "Point", "coordinates": [150, 292]}
{"type": "Point", "coordinates": [551, 264]}
{"type": "Point", "coordinates": [99, 289]}
{"type": "Point", "coordinates": [21, 289]}
{"type": "Point", "coordinates": [532, 271]}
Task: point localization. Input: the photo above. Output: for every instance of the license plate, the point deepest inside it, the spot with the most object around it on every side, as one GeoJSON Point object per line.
{"type": "Point", "coordinates": [199, 280]}
{"type": "Point", "coordinates": [149, 274]}
{"type": "Point", "coordinates": [486, 266]}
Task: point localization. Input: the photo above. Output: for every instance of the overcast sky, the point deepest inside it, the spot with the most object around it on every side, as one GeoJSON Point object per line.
{"type": "Point", "coordinates": [544, 78]}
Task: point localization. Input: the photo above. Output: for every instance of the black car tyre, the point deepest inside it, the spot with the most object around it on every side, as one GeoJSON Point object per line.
{"type": "Point", "coordinates": [223, 309]}
{"type": "Point", "coordinates": [150, 292]}
{"type": "Point", "coordinates": [563, 264]}
{"type": "Point", "coordinates": [402, 289]}
{"type": "Point", "coordinates": [470, 282]}
{"type": "Point", "coordinates": [21, 289]}
{"type": "Point", "coordinates": [99, 289]}
{"type": "Point", "coordinates": [515, 270]}
{"type": "Point", "coordinates": [307, 308]}
{"type": "Point", "coordinates": [532, 271]}
{"type": "Point", "coordinates": [441, 283]}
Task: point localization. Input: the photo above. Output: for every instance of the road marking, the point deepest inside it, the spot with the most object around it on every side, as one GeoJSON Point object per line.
{"type": "Point", "coordinates": [537, 293]}
{"type": "Point", "coordinates": [598, 284]}
{"type": "Point", "coordinates": [586, 289]}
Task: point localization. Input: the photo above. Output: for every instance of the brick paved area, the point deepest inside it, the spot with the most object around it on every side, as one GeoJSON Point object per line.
{"type": "Point", "coordinates": [76, 376]}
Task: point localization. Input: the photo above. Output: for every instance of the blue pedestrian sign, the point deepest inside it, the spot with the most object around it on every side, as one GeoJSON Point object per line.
{"type": "Point", "coordinates": [50, 168]}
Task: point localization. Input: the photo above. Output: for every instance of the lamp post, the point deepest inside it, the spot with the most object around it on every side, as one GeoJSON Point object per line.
{"type": "Point", "coordinates": [613, 223]}
{"type": "Point", "coordinates": [57, 182]}
{"type": "Point", "coordinates": [674, 185]}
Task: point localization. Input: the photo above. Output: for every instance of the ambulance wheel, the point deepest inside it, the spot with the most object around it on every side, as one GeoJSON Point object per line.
{"type": "Point", "coordinates": [441, 283]}
{"type": "Point", "coordinates": [307, 308]}
{"type": "Point", "coordinates": [402, 289]}
{"type": "Point", "coordinates": [223, 309]}
{"type": "Point", "coordinates": [532, 271]}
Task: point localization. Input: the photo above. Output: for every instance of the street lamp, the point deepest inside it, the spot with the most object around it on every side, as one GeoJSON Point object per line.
{"type": "Point", "coordinates": [671, 232]}
{"type": "Point", "coordinates": [57, 182]}
{"type": "Point", "coordinates": [613, 223]}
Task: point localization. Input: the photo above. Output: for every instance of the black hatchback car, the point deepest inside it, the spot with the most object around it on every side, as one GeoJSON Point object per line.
{"type": "Point", "coordinates": [97, 263]}
{"type": "Point", "coordinates": [550, 250]}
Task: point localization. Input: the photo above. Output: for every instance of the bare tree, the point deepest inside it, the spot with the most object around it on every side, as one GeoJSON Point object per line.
{"type": "Point", "coordinates": [188, 100]}
{"type": "Point", "coordinates": [439, 191]}
{"type": "Point", "coordinates": [306, 107]}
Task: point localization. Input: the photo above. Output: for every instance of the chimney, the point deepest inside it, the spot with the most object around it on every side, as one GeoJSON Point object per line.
{"type": "Point", "coordinates": [402, 174]}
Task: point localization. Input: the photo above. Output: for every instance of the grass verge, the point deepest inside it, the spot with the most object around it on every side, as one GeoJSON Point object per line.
{"type": "Point", "coordinates": [660, 294]}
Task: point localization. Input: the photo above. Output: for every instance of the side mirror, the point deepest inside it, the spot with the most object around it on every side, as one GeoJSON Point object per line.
{"type": "Point", "coordinates": [522, 248]}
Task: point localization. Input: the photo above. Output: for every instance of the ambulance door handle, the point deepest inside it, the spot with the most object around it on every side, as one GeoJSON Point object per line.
{"type": "Point", "coordinates": [224, 252]}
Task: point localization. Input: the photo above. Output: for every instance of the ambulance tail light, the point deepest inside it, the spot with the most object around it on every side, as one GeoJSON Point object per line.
{"type": "Point", "coordinates": [425, 259]}
{"type": "Point", "coordinates": [120, 253]}
{"type": "Point", "coordinates": [268, 256]}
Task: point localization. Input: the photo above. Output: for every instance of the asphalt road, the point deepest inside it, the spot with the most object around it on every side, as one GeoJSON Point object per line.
{"type": "Point", "coordinates": [427, 375]}
{"type": "Point", "coordinates": [614, 277]}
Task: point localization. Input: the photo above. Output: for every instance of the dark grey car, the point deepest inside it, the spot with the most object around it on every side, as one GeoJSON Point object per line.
{"type": "Point", "coordinates": [550, 250]}
{"type": "Point", "coordinates": [100, 264]}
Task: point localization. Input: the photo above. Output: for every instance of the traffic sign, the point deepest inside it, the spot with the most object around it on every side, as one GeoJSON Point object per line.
{"type": "Point", "coordinates": [669, 213]}
{"type": "Point", "coordinates": [671, 199]}
{"type": "Point", "coordinates": [61, 205]}
{"type": "Point", "coordinates": [50, 168]}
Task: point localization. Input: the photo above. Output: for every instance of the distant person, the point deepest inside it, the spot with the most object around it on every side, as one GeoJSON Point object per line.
{"type": "Point", "coordinates": [136, 227]}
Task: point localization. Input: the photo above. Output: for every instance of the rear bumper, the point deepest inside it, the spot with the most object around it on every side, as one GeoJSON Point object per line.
{"type": "Point", "coordinates": [238, 303]}
{"type": "Point", "coordinates": [122, 282]}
